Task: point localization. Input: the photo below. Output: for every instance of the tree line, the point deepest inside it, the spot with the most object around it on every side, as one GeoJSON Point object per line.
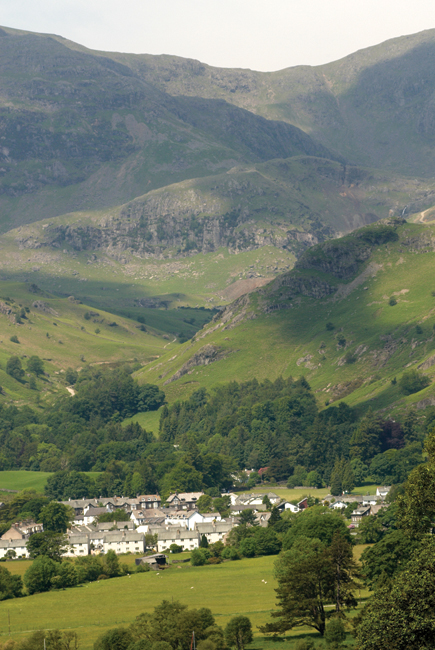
{"type": "Point", "coordinates": [205, 441]}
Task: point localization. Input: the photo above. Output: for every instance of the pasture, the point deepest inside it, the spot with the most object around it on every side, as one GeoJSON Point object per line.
{"type": "Point", "coordinates": [227, 589]}
{"type": "Point", "coordinates": [24, 480]}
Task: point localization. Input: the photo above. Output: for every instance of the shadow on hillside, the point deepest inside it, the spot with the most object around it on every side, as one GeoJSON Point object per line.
{"type": "Point", "coordinates": [128, 300]}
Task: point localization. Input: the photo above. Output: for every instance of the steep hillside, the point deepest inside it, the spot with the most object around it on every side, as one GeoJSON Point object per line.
{"type": "Point", "coordinates": [64, 333]}
{"type": "Point", "coordinates": [374, 107]}
{"type": "Point", "coordinates": [351, 317]}
{"type": "Point", "coordinates": [204, 241]}
{"type": "Point", "coordinates": [81, 130]}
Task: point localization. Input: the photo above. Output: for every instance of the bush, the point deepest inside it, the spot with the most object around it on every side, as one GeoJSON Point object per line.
{"type": "Point", "coordinates": [35, 365]}
{"type": "Point", "coordinates": [349, 357]}
{"type": "Point", "coordinates": [14, 339]}
{"type": "Point", "coordinates": [329, 326]}
{"type": "Point", "coordinates": [335, 633]}
{"type": "Point", "coordinates": [71, 376]}
{"type": "Point", "coordinates": [413, 381]}
{"type": "Point", "coordinates": [248, 547]}
{"type": "Point", "coordinates": [199, 556]}
{"type": "Point", "coordinates": [174, 548]}
{"type": "Point", "coordinates": [392, 302]}
{"type": "Point", "coordinates": [119, 638]}
{"type": "Point", "coordinates": [230, 553]}
{"type": "Point", "coordinates": [305, 644]}
{"type": "Point", "coordinates": [14, 368]}
{"type": "Point", "coordinates": [143, 568]}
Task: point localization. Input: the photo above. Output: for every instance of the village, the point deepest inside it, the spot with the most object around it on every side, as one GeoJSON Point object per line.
{"type": "Point", "coordinates": [155, 527]}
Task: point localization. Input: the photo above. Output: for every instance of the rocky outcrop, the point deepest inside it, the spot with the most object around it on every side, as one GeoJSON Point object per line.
{"type": "Point", "coordinates": [42, 306]}
{"type": "Point", "coordinates": [343, 257]}
{"type": "Point", "coordinates": [205, 355]}
{"type": "Point", "coordinates": [175, 230]}
{"type": "Point", "coordinates": [291, 284]}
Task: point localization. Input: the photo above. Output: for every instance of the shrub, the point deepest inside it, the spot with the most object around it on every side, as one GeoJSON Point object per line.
{"type": "Point", "coordinates": [174, 548]}
{"type": "Point", "coordinates": [305, 644]}
{"type": "Point", "coordinates": [35, 365]}
{"type": "Point", "coordinates": [199, 556]}
{"type": "Point", "coordinates": [335, 633]}
{"type": "Point", "coordinates": [14, 339]}
{"type": "Point", "coordinates": [71, 376]}
{"type": "Point", "coordinates": [330, 326]}
{"type": "Point", "coordinates": [248, 547]}
{"type": "Point", "coordinates": [230, 553]}
{"type": "Point", "coordinates": [14, 368]}
{"type": "Point", "coordinates": [349, 357]}
{"type": "Point", "coordinates": [392, 302]}
{"type": "Point", "coordinates": [119, 638]}
{"type": "Point", "coordinates": [413, 381]}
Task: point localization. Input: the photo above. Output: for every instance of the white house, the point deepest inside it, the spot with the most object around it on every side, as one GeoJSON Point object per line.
{"type": "Point", "coordinates": [184, 518]}
{"type": "Point", "coordinates": [338, 505]}
{"type": "Point", "coordinates": [187, 539]}
{"type": "Point", "coordinates": [78, 546]}
{"type": "Point", "coordinates": [382, 491]}
{"type": "Point", "coordinates": [214, 532]}
{"type": "Point", "coordinates": [286, 505]}
{"type": "Point", "coordinates": [124, 542]}
{"type": "Point", "coordinates": [183, 500]}
{"type": "Point", "coordinates": [91, 513]}
{"type": "Point", "coordinates": [17, 545]}
{"type": "Point", "coordinates": [209, 517]}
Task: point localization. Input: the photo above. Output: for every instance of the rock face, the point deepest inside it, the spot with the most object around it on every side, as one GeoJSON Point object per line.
{"type": "Point", "coordinates": [205, 355]}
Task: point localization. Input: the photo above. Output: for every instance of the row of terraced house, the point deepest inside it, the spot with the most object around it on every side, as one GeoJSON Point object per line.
{"type": "Point", "coordinates": [178, 523]}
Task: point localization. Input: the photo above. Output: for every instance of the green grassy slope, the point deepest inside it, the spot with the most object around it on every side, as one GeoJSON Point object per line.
{"type": "Point", "coordinates": [118, 601]}
{"type": "Point", "coordinates": [56, 330]}
{"type": "Point", "coordinates": [281, 329]}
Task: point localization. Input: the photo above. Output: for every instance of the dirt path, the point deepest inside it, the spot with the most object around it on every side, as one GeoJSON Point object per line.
{"type": "Point", "coordinates": [70, 390]}
{"type": "Point", "coordinates": [165, 346]}
{"type": "Point", "coordinates": [422, 216]}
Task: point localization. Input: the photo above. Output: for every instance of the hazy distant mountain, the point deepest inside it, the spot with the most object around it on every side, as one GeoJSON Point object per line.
{"type": "Point", "coordinates": [375, 107]}
{"type": "Point", "coordinates": [80, 130]}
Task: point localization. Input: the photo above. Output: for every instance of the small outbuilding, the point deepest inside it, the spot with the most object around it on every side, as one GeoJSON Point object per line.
{"type": "Point", "coordinates": [155, 561]}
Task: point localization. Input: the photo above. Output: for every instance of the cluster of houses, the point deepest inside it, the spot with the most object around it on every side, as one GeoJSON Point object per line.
{"type": "Point", "coordinates": [366, 505]}
{"type": "Point", "coordinates": [179, 522]}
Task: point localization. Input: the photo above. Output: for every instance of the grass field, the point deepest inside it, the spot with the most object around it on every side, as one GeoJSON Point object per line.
{"type": "Point", "coordinates": [22, 480]}
{"type": "Point", "coordinates": [295, 493]}
{"type": "Point", "coordinates": [320, 493]}
{"type": "Point", "coordinates": [227, 589]}
{"type": "Point", "coordinates": [149, 421]}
